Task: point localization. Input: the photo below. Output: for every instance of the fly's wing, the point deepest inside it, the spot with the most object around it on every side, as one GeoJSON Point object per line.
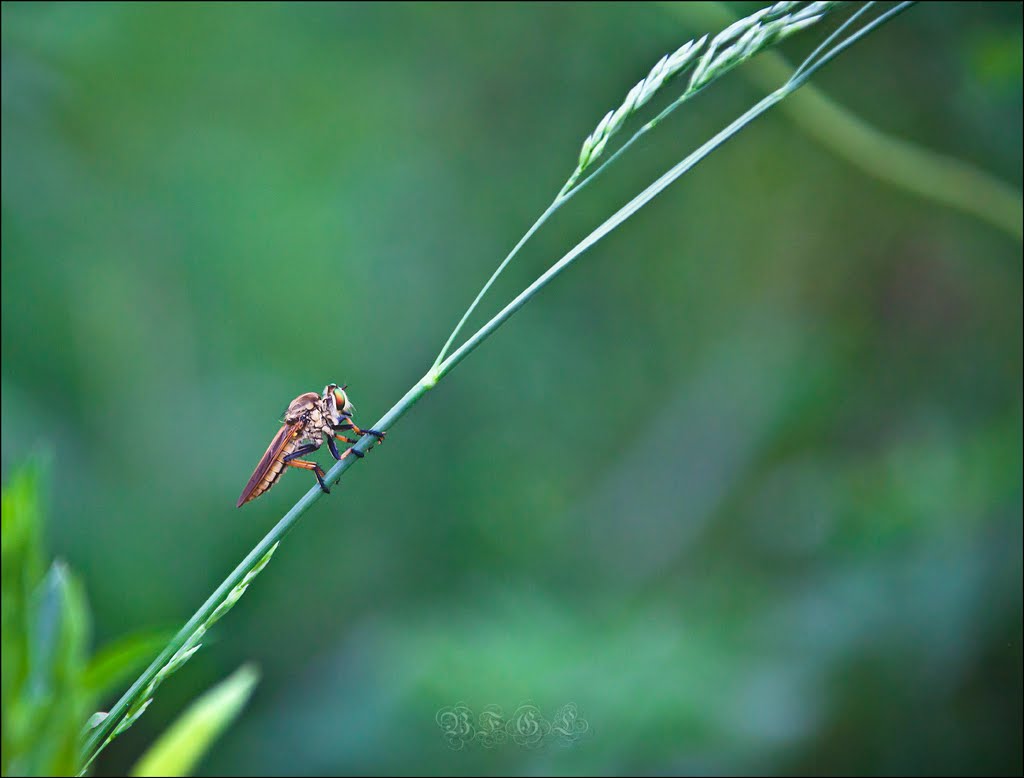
{"type": "Point", "coordinates": [265, 474]}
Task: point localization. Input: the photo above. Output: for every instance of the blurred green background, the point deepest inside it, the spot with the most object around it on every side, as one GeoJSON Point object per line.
{"type": "Point", "coordinates": [744, 485]}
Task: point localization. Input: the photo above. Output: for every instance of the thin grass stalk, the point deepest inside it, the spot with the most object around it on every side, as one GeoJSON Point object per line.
{"type": "Point", "coordinates": [737, 43]}
{"type": "Point", "coordinates": [102, 732]}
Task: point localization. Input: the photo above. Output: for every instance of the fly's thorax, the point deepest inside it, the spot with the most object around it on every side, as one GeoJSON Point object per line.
{"type": "Point", "coordinates": [315, 419]}
{"type": "Point", "coordinates": [302, 406]}
{"type": "Point", "coordinates": [315, 422]}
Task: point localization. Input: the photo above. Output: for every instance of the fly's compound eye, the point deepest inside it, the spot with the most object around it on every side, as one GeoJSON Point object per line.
{"type": "Point", "coordinates": [340, 400]}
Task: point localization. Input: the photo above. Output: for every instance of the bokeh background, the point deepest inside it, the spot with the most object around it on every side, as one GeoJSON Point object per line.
{"type": "Point", "coordinates": [744, 485]}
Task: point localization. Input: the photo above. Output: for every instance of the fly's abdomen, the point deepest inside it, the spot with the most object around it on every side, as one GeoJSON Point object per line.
{"type": "Point", "coordinates": [274, 471]}
{"type": "Point", "coordinates": [272, 465]}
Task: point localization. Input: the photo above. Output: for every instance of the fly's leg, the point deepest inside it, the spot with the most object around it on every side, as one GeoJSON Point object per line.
{"type": "Point", "coordinates": [334, 447]}
{"type": "Point", "coordinates": [307, 449]}
{"type": "Point", "coordinates": [319, 473]}
{"type": "Point", "coordinates": [351, 425]}
{"type": "Point", "coordinates": [376, 433]}
{"type": "Point", "coordinates": [349, 450]}
{"type": "Point", "coordinates": [303, 464]}
{"type": "Point", "coordinates": [348, 424]}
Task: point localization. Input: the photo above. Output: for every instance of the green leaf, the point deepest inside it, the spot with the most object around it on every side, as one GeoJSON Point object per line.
{"type": "Point", "coordinates": [44, 637]}
{"type": "Point", "coordinates": [45, 721]}
{"type": "Point", "coordinates": [57, 633]}
{"type": "Point", "coordinates": [21, 569]}
{"type": "Point", "coordinates": [22, 520]}
{"type": "Point", "coordinates": [188, 739]}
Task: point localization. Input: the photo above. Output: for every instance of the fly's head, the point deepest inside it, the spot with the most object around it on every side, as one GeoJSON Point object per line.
{"type": "Point", "coordinates": [337, 405]}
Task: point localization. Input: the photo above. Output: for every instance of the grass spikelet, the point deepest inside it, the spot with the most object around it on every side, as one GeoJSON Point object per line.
{"type": "Point", "coordinates": [735, 44]}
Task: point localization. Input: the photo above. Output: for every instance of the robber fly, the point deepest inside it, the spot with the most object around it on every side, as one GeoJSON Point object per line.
{"type": "Point", "coordinates": [308, 422]}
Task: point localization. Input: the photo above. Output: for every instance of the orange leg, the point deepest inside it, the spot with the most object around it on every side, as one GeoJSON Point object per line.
{"type": "Point", "coordinates": [317, 471]}
{"type": "Point", "coordinates": [351, 425]}
{"type": "Point", "coordinates": [334, 448]}
{"type": "Point", "coordinates": [349, 450]}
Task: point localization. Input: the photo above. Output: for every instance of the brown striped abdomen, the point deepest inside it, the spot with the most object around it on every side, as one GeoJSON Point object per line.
{"type": "Point", "coordinates": [274, 471]}
{"type": "Point", "coordinates": [269, 470]}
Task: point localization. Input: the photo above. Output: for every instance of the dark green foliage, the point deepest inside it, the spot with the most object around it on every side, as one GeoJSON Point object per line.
{"type": "Point", "coordinates": [744, 484]}
{"type": "Point", "coordinates": [45, 641]}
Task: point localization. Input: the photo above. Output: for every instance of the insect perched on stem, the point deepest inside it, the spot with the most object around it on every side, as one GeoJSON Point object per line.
{"type": "Point", "coordinates": [308, 422]}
